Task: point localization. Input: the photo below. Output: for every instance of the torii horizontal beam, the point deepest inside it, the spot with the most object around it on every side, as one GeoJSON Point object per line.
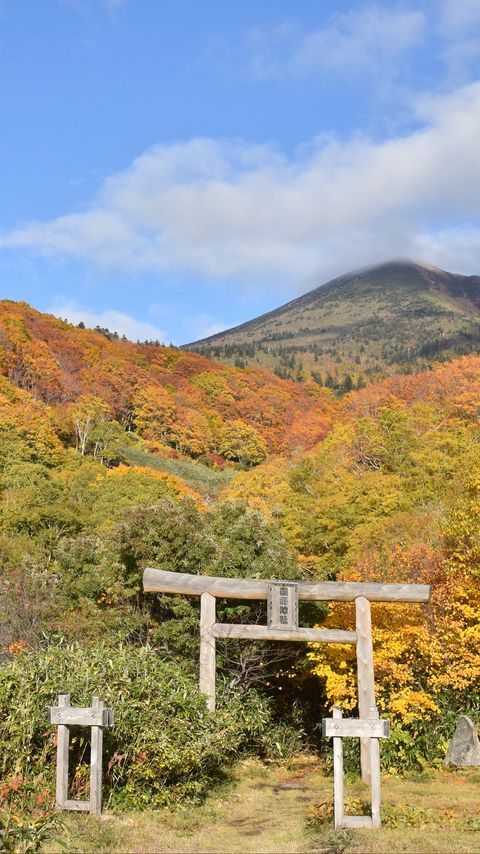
{"type": "Point", "coordinates": [254, 632]}
{"type": "Point", "coordinates": [162, 581]}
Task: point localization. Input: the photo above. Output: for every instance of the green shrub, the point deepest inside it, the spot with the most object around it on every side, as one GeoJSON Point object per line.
{"type": "Point", "coordinates": [27, 834]}
{"type": "Point", "coordinates": [399, 816]}
{"type": "Point", "coordinates": [165, 745]}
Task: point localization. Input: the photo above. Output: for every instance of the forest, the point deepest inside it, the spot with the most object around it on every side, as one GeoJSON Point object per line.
{"type": "Point", "coordinates": [115, 456]}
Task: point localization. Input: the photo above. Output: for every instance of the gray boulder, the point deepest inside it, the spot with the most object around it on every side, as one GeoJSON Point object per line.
{"type": "Point", "coordinates": [464, 747]}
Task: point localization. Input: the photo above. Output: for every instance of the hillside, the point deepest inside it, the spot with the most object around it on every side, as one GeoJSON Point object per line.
{"type": "Point", "coordinates": [363, 325]}
{"type": "Point", "coordinates": [179, 403]}
{"type": "Point", "coordinates": [393, 494]}
{"type": "Point", "coordinates": [93, 487]}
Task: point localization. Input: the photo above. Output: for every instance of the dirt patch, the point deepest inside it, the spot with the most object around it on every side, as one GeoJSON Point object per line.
{"type": "Point", "coordinates": [285, 786]}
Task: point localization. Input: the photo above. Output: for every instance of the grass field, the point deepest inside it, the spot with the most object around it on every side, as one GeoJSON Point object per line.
{"type": "Point", "coordinates": [207, 481]}
{"type": "Point", "coordinates": [275, 807]}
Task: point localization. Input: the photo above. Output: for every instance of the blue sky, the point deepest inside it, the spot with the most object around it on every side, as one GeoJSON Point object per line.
{"type": "Point", "coordinates": [170, 168]}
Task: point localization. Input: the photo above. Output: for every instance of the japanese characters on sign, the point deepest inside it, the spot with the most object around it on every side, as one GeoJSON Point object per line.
{"type": "Point", "coordinates": [282, 605]}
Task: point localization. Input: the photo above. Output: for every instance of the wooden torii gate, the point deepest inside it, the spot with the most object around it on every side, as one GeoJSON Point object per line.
{"type": "Point", "coordinates": [282, 623]}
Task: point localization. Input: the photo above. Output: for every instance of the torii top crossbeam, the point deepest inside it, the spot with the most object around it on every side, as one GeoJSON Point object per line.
{"type": "Point", "coordinates": [161, 581]}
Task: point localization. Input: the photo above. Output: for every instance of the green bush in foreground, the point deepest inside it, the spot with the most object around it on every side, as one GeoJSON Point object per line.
{"type": "Point", "coordinates": [164, 747]}
{"type": "Point", "coordinates": [26, 835]}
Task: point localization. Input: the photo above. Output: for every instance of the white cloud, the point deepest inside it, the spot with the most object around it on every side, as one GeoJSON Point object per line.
{"type": "Point", "coordinates": [455, 249]}
{"type": "Point", "coordinates": [87, 7]}
{"type": "Point", "coordinates": [202, 326]}
{"type": "Point", "coordinates": [223, 209]}
{"type": "Point", "coordinates": [459, 26]}
{"type": "Point", "coordinates": [115, 321]}
{"type": "Point", "coordinates": [369, 39]}
{"type": "Point", "coordinates": [113, 7]}
{"type": "Point", "coordinates": [457, 17]}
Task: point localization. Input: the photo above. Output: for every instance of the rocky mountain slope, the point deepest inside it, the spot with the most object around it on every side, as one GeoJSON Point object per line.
{"type": "Point", "coordinates": [367, 324]}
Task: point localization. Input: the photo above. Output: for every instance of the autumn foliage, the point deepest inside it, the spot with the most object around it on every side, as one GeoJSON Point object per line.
{"type": "Point", "coordinates": [180, 399]}
{"type": "Point", "coordinates": [393, 494]}
{"type": "Point", "coordinates": [103, 448]}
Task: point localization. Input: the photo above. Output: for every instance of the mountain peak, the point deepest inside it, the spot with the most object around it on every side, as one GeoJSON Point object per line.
{"type": "Point", "coordinates": [364, 324]}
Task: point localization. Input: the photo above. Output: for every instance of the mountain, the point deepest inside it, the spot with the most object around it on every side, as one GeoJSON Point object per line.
{"type": "Point", "coordinates": [367, 324]}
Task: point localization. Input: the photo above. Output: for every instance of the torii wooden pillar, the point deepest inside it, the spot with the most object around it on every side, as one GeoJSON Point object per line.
{"type": "Point", "coordinates": [283, 597]}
